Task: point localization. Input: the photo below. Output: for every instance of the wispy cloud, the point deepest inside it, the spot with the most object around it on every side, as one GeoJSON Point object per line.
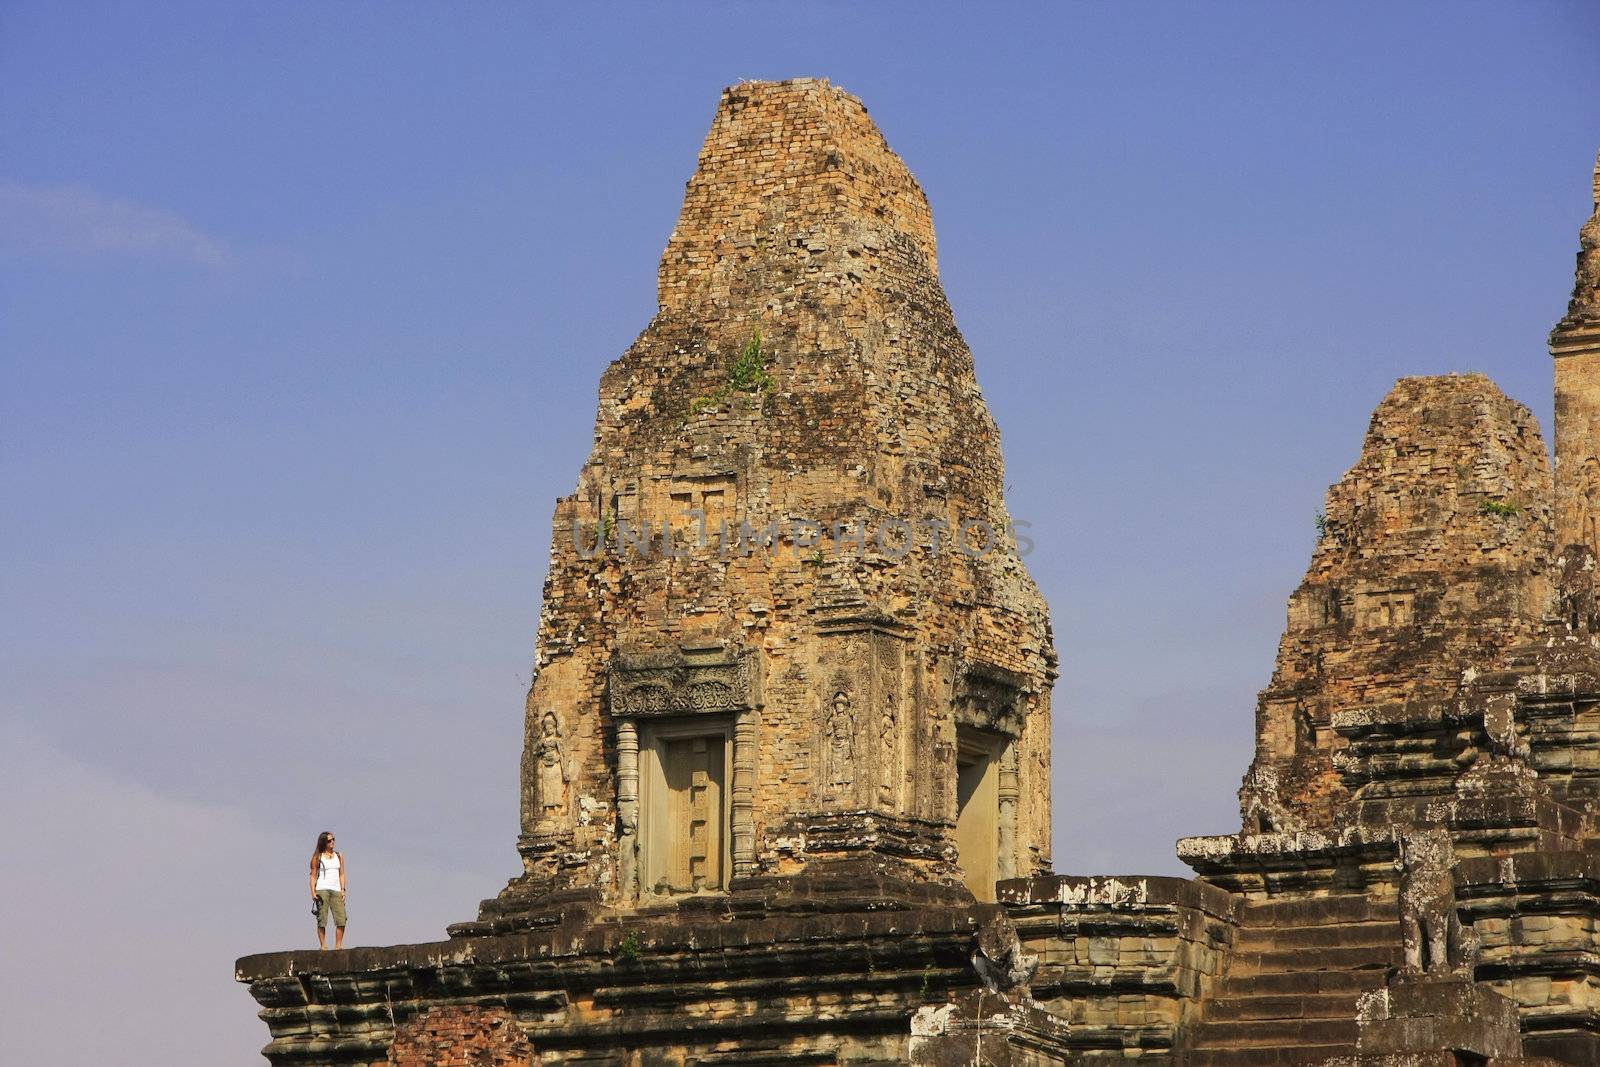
{"type": "Point", "coordinates": [69, 220]}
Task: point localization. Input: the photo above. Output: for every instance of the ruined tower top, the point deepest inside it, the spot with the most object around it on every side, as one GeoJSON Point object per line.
{"type": "Point", "coordinates": [1579, 331]}
{"type": "Point", "coordinates": [800, 155]}
{"type": "Point", "coordinates": [1575, 342]}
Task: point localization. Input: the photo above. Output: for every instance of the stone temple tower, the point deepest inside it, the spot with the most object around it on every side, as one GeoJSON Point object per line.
{"type": "Point", "coordinates": [1575, 344]}
{"type": "Point", "coordinates": [1435, 556]}
{"type": "Point", "coordinates": [785, 627]}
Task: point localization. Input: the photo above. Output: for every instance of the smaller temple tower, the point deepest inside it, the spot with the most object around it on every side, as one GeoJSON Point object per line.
{"type": "Point", "coordinates": [1575, 344]}
{"type": "Point", "coordinates": [1435, 554]}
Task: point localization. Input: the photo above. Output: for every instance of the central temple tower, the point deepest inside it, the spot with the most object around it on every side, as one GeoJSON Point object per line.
{"type": "Point", "coordinates": [785, 626]}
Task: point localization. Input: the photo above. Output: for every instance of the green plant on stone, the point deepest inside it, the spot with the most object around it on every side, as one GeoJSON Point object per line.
{"type": "Point", "coordinates": [748, 372]}
{"type": "Point", "coordinates": [1322, 525]}
{"type": "Point", "coordinates": [1503, 508]}
{"type": "Point", "coordinates": [630, 947]}
{"type": "Point", "coordinates": [709, 400]}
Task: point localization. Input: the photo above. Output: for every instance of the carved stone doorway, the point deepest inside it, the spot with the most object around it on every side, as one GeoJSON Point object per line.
{"type": "Point", "coordinates": [685, 838]}
{"type": "Point", "coordinates": [978, 808]}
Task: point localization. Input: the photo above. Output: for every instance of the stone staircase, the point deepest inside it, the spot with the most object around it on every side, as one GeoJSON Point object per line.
{"type": "Point", "coordinates": [1297, 969]}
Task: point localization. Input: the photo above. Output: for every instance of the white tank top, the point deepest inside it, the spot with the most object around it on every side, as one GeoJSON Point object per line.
{"type": "Point", "coordinates": [328, 871]}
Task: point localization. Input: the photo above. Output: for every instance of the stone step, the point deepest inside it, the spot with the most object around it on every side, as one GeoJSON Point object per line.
{"type": "Point", "coordinates": [1227, 1008]}
{"type": "Point", "coordinates": [1274, 1033]}
{"type": "Point", "coordinates": [1343, 935]}
{"type": "Point", "coordinates": [1302, 983]}
{"type": "Point", "coordinates": [1265, 1057]}
{"type": "Point", "coordinates": [1311, 961]}
{"type": "Point", "coordinates": [1318, 911]}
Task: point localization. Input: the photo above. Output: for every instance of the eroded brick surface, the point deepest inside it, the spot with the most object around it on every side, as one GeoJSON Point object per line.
{"type": "Point", "coordinates": [461, 1037]}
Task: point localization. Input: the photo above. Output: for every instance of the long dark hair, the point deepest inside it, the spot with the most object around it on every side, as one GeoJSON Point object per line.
{"type": "Point", "coordinates": [322, 843]}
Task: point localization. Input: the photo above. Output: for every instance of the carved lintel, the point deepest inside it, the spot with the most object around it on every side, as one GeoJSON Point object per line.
{"type": "Point", "coordinates": [990, 698]}
{"type": "Point", "coordinates": [705, 680]}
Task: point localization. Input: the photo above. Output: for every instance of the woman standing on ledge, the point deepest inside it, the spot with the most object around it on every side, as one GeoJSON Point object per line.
{"type": "Point", "coordinates": [327, 890]}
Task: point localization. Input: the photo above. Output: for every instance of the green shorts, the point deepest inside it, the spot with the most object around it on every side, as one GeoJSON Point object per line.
{"type": "Point", "coordinates": [332, 901]}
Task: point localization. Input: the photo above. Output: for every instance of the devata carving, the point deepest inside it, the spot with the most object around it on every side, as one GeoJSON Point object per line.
{"type": "Point", "coordinates": [841, 743]}
{"type": "Point", "coordinates": [888, 749]}
{"type": "Point", "coordinates": [989, 698]}
{"type": "Point", "coordinates": [551, 761]}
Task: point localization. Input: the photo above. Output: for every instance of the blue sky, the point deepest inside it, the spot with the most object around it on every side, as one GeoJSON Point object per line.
{"type": "Point", "coordinates": [303, 309]}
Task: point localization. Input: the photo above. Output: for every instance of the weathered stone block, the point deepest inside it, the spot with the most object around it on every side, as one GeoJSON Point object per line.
{"type": "Point", "coordinates": [1424, 1015]}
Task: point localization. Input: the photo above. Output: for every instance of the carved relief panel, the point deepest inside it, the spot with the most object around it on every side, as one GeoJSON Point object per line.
{"type": "Point", "coordinates": [861, 715]}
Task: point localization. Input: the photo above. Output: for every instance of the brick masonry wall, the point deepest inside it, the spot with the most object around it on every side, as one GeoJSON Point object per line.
{"type": "Point", "coordinates": [461, 1037]}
